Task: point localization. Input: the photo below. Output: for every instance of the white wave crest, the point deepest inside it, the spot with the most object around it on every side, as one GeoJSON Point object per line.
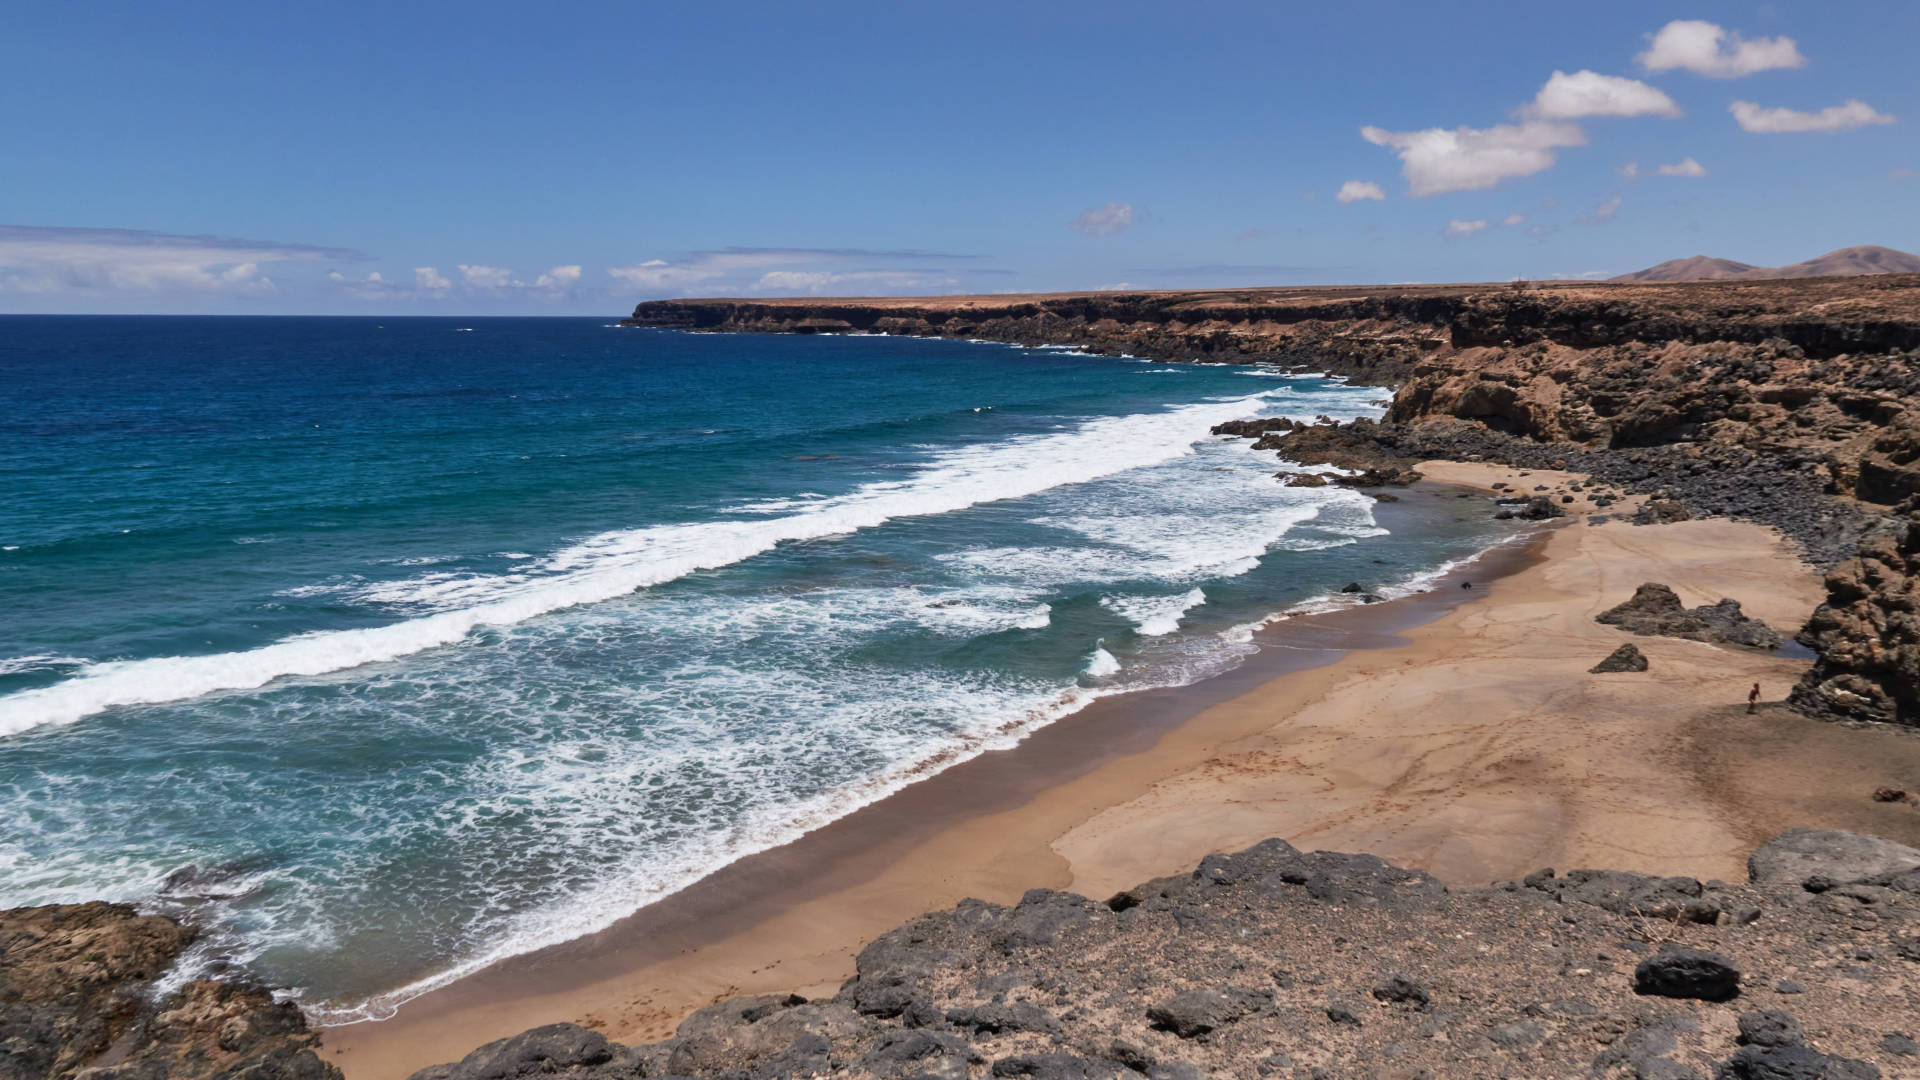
{"type": "Point", "coordinates": [1153, 616]}
{"type": "Point", "coordinates": [616, 563]}
{"type": "Point", "coordinates": [1102, 664]}
{"type": "Point", "coordinates": [20, 665]}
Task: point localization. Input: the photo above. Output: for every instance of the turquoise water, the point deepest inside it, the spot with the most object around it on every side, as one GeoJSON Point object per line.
{"type": "Point", "coordinates": [389, 649]}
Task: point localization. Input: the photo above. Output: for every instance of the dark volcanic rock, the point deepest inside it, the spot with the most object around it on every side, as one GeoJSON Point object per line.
{"type": "Point", "coordinates": [1400, 990]}
{"type": "Point", "coordinates": [1196, 1012]}
{"type": "Point", "coordinates": [1868, 632]}
{"type": "Point", "coordinates": [1333, 965]}
{"type": "Point", "coordinates": [77, 981]}
{"type": "Point", "coordinates": [1536, 508]}
{"type": "Point", "coordinates": [1661, 512]}
{"type": "Point", "coordinates": [1624, 658]}
{"type": "Point", "coordinates": [1655, 610]}
{"type": "Point", "coordinates": [551, 1049]}
{"type": "Point", "coordinates": [1674, 899]}
{"type": "Point", "coordinates": [1770, 1027]}
{"type": "Point", "coordinates": [1687, 973]}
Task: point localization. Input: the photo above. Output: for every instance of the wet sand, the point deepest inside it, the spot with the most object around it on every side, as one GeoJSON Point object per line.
{"type": "Point", "coordinates": [1456, 730]}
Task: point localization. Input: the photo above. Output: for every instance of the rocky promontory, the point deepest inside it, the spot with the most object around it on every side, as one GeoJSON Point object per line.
{"type": "Point", "coordinates": [1275, 962]}
{"type": "Point", "coordinates": [82, 994]}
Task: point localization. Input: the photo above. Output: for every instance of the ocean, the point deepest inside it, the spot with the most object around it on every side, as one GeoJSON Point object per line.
{"type": "Point", "coordinates": [387, 649]}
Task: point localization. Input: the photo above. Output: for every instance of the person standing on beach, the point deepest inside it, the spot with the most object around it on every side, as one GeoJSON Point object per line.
{"type": "Point", "coordinates": [1753, 698]}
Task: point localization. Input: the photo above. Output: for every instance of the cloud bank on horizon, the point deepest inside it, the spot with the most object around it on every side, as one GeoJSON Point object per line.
{"type": "Point", "coordinates": [1664, 104]}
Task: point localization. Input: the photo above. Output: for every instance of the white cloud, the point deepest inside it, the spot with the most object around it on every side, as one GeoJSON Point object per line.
{"type": "Point", "coordinates": [559, 279]}
{"type": "Point", "coordinates": [661, 274]}
{"type": "Point", "coordinates": [748, 271]}
{"type": "Point", "coordinates": [1602, 213]}
{"type": "Point", "coordinates": [49, 260]}
{"type": "Point", "coordinates": [818, 281]}
{"type": "Point", "coordinates": [1456, 227]}
{"type": "Point", "coordinates": [702, 266]}
{"type": "Point", "coordinates": [1845, 117]}
{"type": "Point", "coordinates": [1685, 167]}
{"type": "Point", "coordinates": [371, 287]}
{"type": "Point", "coordinates": [1440, 160]}
{"type": "Point", "coordinates": [1630, 170]}
{"type": "Point", "coordinates": [1104, 220]}
{"type": "Point", "coordinates": [1589, 93]}
{"type": "Point", "coordinates": [487, 277]}
{"type": "Point", "coordinates": [426, 277]}
{"type": "Point", "coordinates": [1356, 190]}
{"type": "Point", "coordinates": [1513, 219]}
{"type": "Point", "coordinates": [1706, 49]}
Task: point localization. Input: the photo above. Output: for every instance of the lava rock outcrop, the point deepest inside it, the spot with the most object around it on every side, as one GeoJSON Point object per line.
{"type": "Point", "coordinates": [1654, 610]}
{"type": "Point", "coordinates": [77, 997]}
{"type": "Point", "coordinates": [1279, 962]}
{"type": "Point", "coordinates": [1868, 632]}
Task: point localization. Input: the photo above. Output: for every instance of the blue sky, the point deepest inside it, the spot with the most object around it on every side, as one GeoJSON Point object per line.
{"type": "Point", "coordinates": [487, 158]}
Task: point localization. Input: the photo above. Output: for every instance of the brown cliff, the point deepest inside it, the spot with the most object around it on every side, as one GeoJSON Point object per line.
{"type": "Point", "coordinates": [1792, 402]}
{"type": "Point", "coordinates": [1868, 632]}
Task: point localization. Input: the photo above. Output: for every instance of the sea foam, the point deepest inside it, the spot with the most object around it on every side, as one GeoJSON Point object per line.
{"type": "Point", "coordinates": [613, 564]}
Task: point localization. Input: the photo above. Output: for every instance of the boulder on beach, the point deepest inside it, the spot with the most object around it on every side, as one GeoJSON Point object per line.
{"type": "Point", "coordinates": [1661, 511]}
{"type": "Point", "coordinates": [1624, 658]}
{"type": "Point", "coordinates": [1656, 611]}
{"type": "Point", "coordinates": [1534, 508]}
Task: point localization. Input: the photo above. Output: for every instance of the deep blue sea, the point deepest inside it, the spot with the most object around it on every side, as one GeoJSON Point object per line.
{"type": "Point", "coordinates": [390, 648]}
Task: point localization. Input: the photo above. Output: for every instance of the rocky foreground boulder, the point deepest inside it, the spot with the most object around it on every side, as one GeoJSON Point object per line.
{"type": "Point", "coordinates": [78, 998]}
{"type": "Point", "coordinates": [1275, 962]}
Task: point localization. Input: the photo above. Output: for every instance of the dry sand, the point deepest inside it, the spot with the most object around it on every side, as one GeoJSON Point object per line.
{"type": "Point", "coordinates": [1475, 745]}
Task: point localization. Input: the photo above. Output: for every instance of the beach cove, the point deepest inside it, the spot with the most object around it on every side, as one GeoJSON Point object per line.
{"type": "Point", "coordinates": [1463, 736]}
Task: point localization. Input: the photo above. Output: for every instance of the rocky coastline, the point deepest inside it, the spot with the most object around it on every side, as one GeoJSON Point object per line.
{"type": "Point", "coordinates": [1792, 403]}
{"type": "Point", "coordinates": [1279, 962]}
{"type": "Point", "coordinates": [1268, 962]}
{"type": "Point", "coordinates": [1788, 403]}
{"type": "Point", "coordinates": [83, 993]}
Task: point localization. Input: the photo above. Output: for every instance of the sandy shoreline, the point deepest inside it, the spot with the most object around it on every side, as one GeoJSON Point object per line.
{"type": "Point", "coordinates": [1456, 731]}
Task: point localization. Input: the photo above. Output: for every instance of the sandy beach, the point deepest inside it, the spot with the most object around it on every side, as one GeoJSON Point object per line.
{"type": "Point", "coordinates": [1458, 731]}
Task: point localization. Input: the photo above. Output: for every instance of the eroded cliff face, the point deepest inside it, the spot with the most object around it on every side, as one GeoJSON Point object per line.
{"type": "Point", "coordinates": [1795, 403]}
{"type": "Point", "coordinates": [77, 993]}
{"type": "Point", "coordinates": [1868, 632]}
{"type": "Point", "coordinates": [1376, 334]}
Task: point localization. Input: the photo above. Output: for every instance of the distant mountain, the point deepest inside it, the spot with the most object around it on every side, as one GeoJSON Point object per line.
{"type": "Point", "coordinates": [1698, 268]}
{"type": "Point", "coordinates": [1846, 262]}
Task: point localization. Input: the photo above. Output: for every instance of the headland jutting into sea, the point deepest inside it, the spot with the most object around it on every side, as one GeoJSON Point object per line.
{"type": "Point", "coordinates": [1684, 444]}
